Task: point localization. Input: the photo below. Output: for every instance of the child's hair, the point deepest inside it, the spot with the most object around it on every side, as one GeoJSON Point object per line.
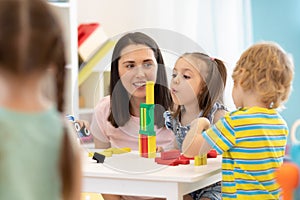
{"type": "Point", "coordinates": [214, 81]}
{"type": "Point", "coordinates": [119, 113]}
{"type": "Point", "coordinates": [266, 69]}
{"type": "Point", "coordinates": [30, 42]}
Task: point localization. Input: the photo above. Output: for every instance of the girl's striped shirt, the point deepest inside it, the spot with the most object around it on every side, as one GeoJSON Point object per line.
{"type": "Point", "coordinates": [252, 141]}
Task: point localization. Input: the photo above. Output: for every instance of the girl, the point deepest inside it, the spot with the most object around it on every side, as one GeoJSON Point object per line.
{"type": "Point", "coordinates": [33, 164]}
{"type": "Point", "coordinates": [136, 59]}
{"type": "Point", "coordinates": [197, 87]}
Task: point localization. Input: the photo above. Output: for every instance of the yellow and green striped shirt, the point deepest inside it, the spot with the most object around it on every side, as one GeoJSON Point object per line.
{"type": "Point", "coordinates": [252, 141]}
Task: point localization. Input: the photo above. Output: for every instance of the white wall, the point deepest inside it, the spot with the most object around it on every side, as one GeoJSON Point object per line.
{"type": "Point", "coordinates": [220, 27]}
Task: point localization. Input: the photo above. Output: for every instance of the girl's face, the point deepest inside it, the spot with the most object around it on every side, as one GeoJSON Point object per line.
{"type": "Point", "coordinates": [137, 64]}
{"type": "Point", "coordinates": [186, 82]}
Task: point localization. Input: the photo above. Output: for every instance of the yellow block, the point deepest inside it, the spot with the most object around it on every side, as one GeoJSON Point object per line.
{"type": "Point", "coordinates": [151, 146]}
{"type": "Point", "coordinates": [149, 92]}
{"type": "Point", "coordinates": [200, 160]}
{"type": "Point", "coordinates": [118, 150]}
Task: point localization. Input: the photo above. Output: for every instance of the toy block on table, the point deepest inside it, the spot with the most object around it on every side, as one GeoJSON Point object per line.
{"type": "Point", "coordinates": [171, 158]}
{"type": "Point", "coordinates": [110, 151]}
{"type": "Point", "coordinates": [161, 161]}
{"type": "Point", "coordinates": [182, 157]}
{"type": "Point", "coordinates": [172, 154]}
{"type": "Point", "coordinates": [118, 150]}
{"type": "Point", "coordinates": [99, 157]}
{"type": "Point", "coordinates": [147, 135]}
{"type": "Point", "coordinates": [200, 160]}
{"type": "Point", "coordinates": [212, 154]}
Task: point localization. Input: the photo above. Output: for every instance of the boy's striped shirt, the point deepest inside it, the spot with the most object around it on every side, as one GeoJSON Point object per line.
{"type": "Point", "coordinates": [252, 141]}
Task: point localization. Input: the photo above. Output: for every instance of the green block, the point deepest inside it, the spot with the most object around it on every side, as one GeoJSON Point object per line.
{"type": "Point", "coordinates": [147, 118]}
{"type": "Point", "coordinates": [148, 133]}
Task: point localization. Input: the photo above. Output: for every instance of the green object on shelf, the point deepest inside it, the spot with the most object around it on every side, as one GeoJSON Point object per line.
{"type": "Point", "coordinates": [87, 68]}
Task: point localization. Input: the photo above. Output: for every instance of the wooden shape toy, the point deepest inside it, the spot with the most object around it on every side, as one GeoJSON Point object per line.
{"type": "Point", "coordinates": [99, 157]}
{"type": "Point", "coordinates": [200, 160]}
{"type": "Point", "coordinates": [172, 154]}
{"type": "Point", "coordinates": [171, 158]}
{"type": "Point", "coordinates": [212, 154]}
{"type": "Point", "coordinates": [147, 135]}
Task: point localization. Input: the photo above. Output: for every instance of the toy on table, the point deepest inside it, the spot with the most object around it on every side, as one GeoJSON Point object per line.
{"type": "Point", "coordinates": [82, 132]}
{"type": "Point", "coordinates": [171, 158]}
{"type": "Point", "coordinates": [147, 135]}
{"type": "Point", "coordinates": [287, 175]}
{"type": "Point", "coordinates": [98, 157]}
{"type": "Point", "coordinates": [174, 158]}
{"type": "Point", "coordinates": [200, 160]}
{"type": "Point", "coordinates": [110, 151]}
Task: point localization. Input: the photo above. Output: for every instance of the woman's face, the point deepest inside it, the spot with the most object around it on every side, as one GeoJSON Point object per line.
{"type": "Point", "coordinates": [186, 82]}
{"type": "Point", "coordinates": [137, 64]}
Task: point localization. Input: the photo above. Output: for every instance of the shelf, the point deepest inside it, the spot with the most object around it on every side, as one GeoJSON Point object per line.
{"type": "Point", "coordinates": [88, 68]}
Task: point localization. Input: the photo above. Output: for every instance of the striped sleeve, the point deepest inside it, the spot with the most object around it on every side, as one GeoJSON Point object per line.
{"type": "Point", "coordinates": [221, 136]}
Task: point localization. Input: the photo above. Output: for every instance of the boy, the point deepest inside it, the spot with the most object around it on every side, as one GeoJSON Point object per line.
{"type": "Point", "coordinates": [251, 139]}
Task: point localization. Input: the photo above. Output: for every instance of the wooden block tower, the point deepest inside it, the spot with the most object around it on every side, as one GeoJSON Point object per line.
{"type": "Point", "coordinates": [147, 135]}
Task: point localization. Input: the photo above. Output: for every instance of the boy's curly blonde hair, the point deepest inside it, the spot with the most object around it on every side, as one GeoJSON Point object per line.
{"type": "Point", "coordinates": [266, 69]}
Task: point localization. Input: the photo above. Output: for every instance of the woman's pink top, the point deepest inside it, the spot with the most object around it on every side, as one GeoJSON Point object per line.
{"type": "Point", "coordinates": [127, 135]}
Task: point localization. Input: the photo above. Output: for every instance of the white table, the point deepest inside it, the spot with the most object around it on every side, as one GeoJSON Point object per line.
{"type": "Point", "coordinates": [129, 174]}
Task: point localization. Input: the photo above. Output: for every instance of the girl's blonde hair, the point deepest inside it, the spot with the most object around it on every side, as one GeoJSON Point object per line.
{"type": "Point", "coordinates": [266, 69]}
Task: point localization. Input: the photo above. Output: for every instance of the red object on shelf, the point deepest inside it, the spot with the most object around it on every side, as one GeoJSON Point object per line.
{"type": "Point", "coordinates": [85, 30]}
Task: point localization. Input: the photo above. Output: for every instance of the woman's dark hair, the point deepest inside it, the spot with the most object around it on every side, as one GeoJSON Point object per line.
{"type": "Point", "coordinates": [119, 107]}
{"type": "Point", "coordinates": [214, 82]}
{"type": "Point", "coordinates": [30, 41]}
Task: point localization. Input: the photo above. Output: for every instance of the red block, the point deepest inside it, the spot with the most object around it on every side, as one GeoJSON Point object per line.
{"type": "Point", "coordinates": [144, 145]}
{"type": "Point", "coordinates": [212, 154]}
{"type": "Point", "coordinates": [182, 157]}
{"type": "Point", "coordinates": [172, 154]}
{"type": "Point", "coordinates": [164, 162]}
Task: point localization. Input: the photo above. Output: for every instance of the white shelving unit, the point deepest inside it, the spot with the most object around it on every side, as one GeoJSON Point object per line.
{"type": "Point", "coordinates": [92, 90]}
{"type": "Point", "coordinates": [66, 13]}
{"type": "Point", "coordinates": [96, 85]}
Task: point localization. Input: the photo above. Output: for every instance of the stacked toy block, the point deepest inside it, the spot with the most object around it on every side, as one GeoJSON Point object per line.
{"type": "Point", "coordinates": [147, 135]}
